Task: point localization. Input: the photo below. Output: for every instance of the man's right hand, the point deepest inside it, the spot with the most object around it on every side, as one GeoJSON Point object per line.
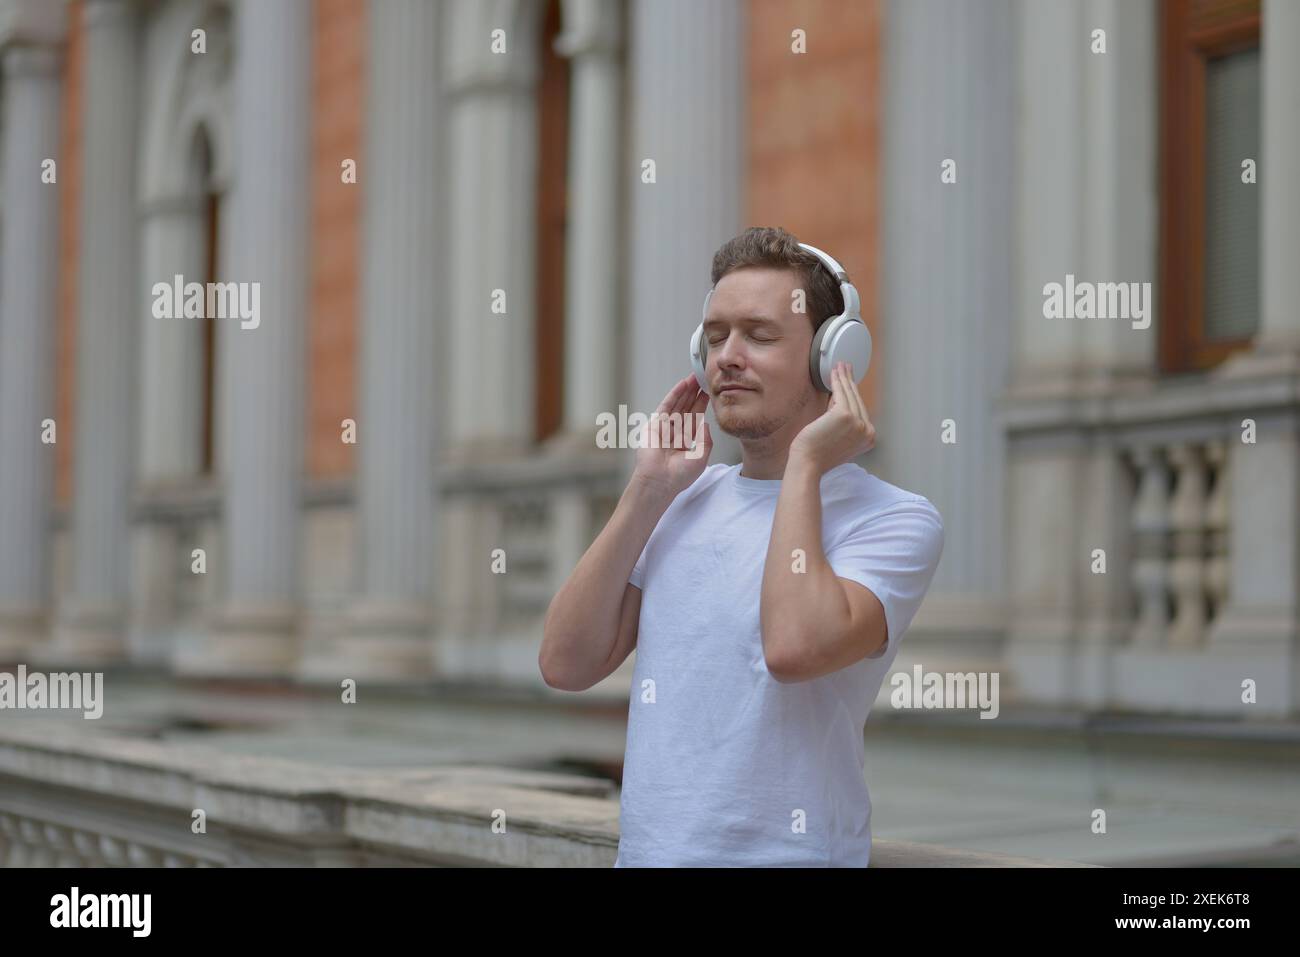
{"type": "Point", "coordinates": [668, 464]}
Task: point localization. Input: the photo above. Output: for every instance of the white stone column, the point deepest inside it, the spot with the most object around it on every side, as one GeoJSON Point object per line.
{"type": "Point", "coordinates": [1086, 202]}
{"type": "Point", "coordinates": [1042, 474]}
{"type": "Point", "coordinates": [1119, 200]}
{"type": "Point", "coordinates": [93, 617]}
{"type": "Point", "coordinates": [29, 234]}
{"type": "Point", "coordinates": [1259, 629]}
{"type": "Point", "coordinates": [592, 39]}
{"type": "Point", "coordinates": [1280, 200]}
{"type": "Point", "coordinates": [492, 149]}
{"type": "Point", "coordinates": [1086, 185]}
{"type": "Point", "coordinates": [1050, 46]}
{"type": "Point", "coordinates": [389, 634]}
{"type": "Point", "coordinates": [949, 95]}
{"type": "Point", "coordinates": [1119, 215]}
{"type": "Point", "coordinates": [688, 89]}
{"type": "Point", "coordinates": [488, 398]}
{"type": "Point", "coordinates": [262, 385]}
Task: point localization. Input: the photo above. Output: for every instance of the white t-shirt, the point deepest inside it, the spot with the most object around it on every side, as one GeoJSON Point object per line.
{"type": "Point", "coordinates": [726, 766]}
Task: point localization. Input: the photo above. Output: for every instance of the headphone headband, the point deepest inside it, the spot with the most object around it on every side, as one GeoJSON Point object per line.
{"type": "Point", "coordinates": [836, 269]}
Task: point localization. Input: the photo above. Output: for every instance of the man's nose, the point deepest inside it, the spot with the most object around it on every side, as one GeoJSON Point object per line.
{"type": "Point", "coordinates": [729, 351]}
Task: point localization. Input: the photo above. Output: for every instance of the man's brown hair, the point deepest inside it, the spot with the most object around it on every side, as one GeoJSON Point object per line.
{"type": "Point", "coordinates": [773, 246]}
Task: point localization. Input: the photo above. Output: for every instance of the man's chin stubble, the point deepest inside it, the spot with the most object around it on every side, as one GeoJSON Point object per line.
{"type": "Point", "coordinates": [747, 429]}
{"type": "Point", "coordinates": [750, 428]}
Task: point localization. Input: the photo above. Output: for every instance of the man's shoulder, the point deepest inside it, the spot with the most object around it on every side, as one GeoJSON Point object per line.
{"type": "Point", "coordinates": [872, 497]}
{"type": "Point", "coordinates": [707, 479]}
{"type": "Point", "coordinates": [687, 501]}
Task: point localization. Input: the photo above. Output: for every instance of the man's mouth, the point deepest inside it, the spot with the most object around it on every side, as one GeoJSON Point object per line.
{"type": "Point", "coordinates": [734, 388]}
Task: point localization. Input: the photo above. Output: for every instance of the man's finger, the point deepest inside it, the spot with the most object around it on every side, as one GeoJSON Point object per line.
{"type": "Point", "coordinates": [862, 412]}
{"type": "Point", "coordinates": [670, 398]}
{"type": "Point", "coordinates": [687, 397]}
{"type": "Point", "coordinates": [842, 389]}
{"type": "Point", "coordinates": [837, 387]}
{"type": "Point", "coordinates": [688, 403]}
{"type": "Point", "coordinates": [855, 396]}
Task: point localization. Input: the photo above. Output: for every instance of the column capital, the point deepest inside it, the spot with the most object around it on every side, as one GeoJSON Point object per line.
{"type": "Point", "coordinates": [471, 66]}
{"type": "Point", "coordinates": [590, 27]}
{"type": "Point", "coordinates": [101, 12]}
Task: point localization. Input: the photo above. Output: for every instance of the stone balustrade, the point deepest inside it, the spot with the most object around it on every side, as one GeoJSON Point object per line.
{"type": "Point", "coordinates": [1180, 531]}
{"type": "Point", "coordinates": [68, 800]}
{"type": "Point", "coordinates": [1187, 486]}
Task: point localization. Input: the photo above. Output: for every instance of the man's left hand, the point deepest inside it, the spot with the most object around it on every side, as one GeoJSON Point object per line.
{"type": "Point", "coordinates": [842, 433]}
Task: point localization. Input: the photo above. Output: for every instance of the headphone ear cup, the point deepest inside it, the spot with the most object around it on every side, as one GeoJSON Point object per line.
{"type": "Point", "coordinates": [815, 353]}
{"type": "Point", "coordinates": [849, 341]}
{"type": "Point", "coordinates": [700, 357]}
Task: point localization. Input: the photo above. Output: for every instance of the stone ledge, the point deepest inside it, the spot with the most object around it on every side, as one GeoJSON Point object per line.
{"type": "Point", "coordinates": [442, 815]}
{"type": "Point", "coordinates": [1206, 400]}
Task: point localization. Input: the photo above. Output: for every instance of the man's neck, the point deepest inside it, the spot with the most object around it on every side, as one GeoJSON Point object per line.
{"type": "Point", "coordinates": [766, 458]}
{"type": "Point", "coordinates": [761, 460]}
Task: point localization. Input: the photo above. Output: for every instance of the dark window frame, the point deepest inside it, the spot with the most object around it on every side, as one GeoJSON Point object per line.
{"type": "Point", "coordinates": [1191, 32]}
{"type": "Point", "coordinates": [552, 228]}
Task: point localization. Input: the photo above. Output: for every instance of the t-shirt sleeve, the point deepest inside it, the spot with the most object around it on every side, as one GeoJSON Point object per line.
{"type": "Point", "coordinates": [894, 553]}
{"type": "Point", "coordinates": [638, 570]}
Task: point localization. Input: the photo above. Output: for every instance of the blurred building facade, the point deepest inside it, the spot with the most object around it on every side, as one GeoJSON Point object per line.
{"type": "Point", "coordinates": [392, 473]}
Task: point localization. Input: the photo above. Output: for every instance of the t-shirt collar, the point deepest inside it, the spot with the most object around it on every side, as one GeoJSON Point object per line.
{"type": "Point", "coordinates": [773, 486]}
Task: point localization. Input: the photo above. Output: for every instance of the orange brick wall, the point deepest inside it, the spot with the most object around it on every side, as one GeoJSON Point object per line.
{"type": "Point", "coordinates": [814, 136]}
{"type": "Point", "coordinates": [65, 368]}
{"type": "Point", "coordinates": [338, 94]}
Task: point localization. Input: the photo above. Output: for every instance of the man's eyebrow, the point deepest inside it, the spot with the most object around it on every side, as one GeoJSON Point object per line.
{"type": "Point", "coordinates": [744, 321]}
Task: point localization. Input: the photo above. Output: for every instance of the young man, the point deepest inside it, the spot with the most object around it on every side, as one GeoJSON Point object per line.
{"type": "Point", "coordinates": [765, 601]}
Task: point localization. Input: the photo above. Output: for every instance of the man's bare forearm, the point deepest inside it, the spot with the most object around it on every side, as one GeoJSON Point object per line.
{"type": "Point", "coordinates": [582, 622]}
{"type": "Point", "coordinates": [801, 593]}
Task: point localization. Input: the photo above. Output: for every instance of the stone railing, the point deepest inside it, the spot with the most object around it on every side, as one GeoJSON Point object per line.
{"type": "Point", "coordinates": [535, 517]}
{"type": "Point", "coordinates": [69, 800]}
{"type": "Point", "coordinates": [1180, 533]}
{"type": "Point", "coordinates": [1154, 554]}
{"type": "Point", "coordinates": [538, 511]}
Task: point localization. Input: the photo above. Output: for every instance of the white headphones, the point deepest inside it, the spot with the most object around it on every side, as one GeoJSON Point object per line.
{"type": "Point", "coordinates": [842, 338]}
